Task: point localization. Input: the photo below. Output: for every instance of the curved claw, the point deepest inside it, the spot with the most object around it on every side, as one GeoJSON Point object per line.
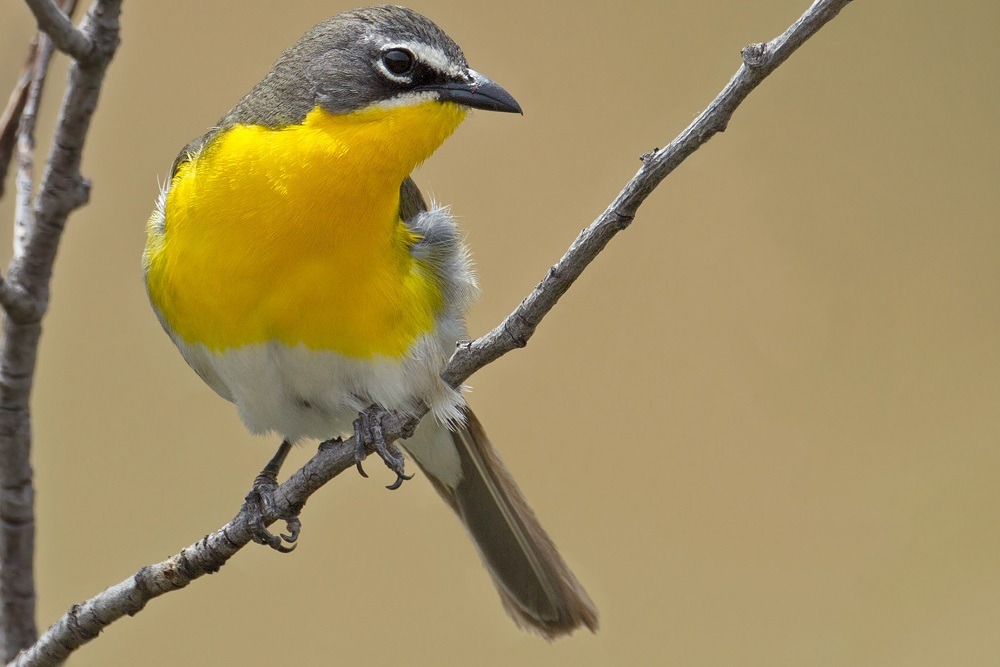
{"type": "Point", "coordinates": [294, 526]}
{"type": "Point", "coordinates": [369, 433]}
{"type": "Point", "coordinates": [282, 549]}
{"type": "Point", "coordinates": [359, 448]}
{"type": "Point", "coordinates": [400, 478]}
{"type": "Point", "coordinates": [261, 535]}
{"type": "Point", "coordinates": [259, 502]}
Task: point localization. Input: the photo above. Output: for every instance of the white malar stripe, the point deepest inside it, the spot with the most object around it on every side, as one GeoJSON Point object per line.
{"type": "Point", "coordinates": [404, 100]}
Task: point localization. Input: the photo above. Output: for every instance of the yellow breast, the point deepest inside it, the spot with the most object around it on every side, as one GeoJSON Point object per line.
{"type": "Point", "coordinates": [293, 235]}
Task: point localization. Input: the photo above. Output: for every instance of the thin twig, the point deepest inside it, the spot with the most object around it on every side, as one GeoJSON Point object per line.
{"type": "Point", "coordinates": [11, 116]}
{"type": "Point", "coordinates": [17, 130]}
{"type": "Point", "coordinates": [39, 223]}
{"type": "Point", "coordinates": [17, 522]}
{"type": "Point", "coordinates": [85, 621]}
{"type": "Point", "coordinates": [69, 39]}
{"type": "Point", "coordinates": [759, 60]}
{"type": "Point", "coordinates": [15, 299]}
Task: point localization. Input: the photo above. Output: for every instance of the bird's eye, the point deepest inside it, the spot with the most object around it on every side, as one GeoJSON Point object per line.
{"type": "Point", "coordinates": [398, 61]}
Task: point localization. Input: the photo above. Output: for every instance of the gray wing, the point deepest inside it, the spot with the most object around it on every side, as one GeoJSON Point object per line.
{"type": "Point", "coordinates": [411, 201]}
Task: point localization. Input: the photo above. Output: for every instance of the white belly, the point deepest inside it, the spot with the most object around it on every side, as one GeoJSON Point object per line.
{"type": "Point", "coordinates": [300, 393]}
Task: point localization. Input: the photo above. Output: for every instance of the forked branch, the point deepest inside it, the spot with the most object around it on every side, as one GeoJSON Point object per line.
{"type": "Point", "coordinates": [42, 207]}
{"type": "Point", "coordinates": [84, 621]}
{"type": "Point", "coordinates": [54, 22]}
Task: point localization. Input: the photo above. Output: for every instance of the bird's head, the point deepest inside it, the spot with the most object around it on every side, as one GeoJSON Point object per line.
{"type": "Point", "coordinates": [386, 57]}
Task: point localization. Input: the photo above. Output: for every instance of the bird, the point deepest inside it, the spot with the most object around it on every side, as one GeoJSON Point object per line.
{"type": "Point", "coordinates": [296, 265]}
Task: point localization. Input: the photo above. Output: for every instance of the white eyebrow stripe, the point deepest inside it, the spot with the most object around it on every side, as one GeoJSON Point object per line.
{"type": "Point", "coordinates": [431, 56]}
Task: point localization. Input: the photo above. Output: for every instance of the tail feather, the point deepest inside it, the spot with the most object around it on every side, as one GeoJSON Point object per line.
{"type": "Point", "coordinates": [536, 586]}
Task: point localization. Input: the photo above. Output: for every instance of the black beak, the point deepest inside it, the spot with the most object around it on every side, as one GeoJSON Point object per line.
{"type": "Point", "coordinates": [479, 92]}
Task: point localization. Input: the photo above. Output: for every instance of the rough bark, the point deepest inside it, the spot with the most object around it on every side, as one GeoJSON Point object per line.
{"type": "Point", "coordinates": [85, 621]}
{"type": "Point", "coordinates": [39, 221]}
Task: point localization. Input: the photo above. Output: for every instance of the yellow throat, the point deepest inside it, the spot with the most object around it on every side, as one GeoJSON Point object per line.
{"type": "Point", "coordinates": [294, 235]}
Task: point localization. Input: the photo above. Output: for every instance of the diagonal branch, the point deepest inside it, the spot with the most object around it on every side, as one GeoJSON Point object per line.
{"type": "Point", "coordinates": [69, 39]}
{"type": "Point", "coordinates": [759, 60]}
{"type": "Point", "coordinates": [85, 621]}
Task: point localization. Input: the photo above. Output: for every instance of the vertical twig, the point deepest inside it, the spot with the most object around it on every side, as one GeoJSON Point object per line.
{"type": "Point", "coordinates": [86, 620]}
{"type": "Point", "coordinates": [17, 520]}
{"type": "Point", "coordinates": [11, 116]}
{"type": "Point", "coordinates": [38, 227]}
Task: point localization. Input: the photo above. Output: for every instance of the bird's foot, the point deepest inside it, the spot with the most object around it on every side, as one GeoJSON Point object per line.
{"type": "Point", "coordinates": [259, 504]}
{"type": "Point", "coordinates": [369, 433]}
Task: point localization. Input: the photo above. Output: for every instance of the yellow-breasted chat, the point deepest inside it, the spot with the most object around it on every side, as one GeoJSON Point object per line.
{"type": "Point", "coordinates": [301, 274]}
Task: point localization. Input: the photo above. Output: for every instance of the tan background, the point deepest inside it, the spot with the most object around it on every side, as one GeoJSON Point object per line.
{"type": "Point", "coordinates": [763, 428]}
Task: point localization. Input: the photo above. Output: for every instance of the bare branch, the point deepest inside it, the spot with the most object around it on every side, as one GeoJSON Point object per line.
{"type": "Point", "coordinates": [759, 60]}
{"type": "Point", "coordinates": [39, 223]}
{"type": "Point", "coordinates": [17, 527]}
{"type": "Point", "coordinates": [18, 304]}
{"type": "Point", "coordinates": [67, 37]}
{"type": "Point", "coordinates": [16, 300]}
{"type": "Point", "coordinates": [85, 621]}
{"type": "Point", "coordinates": [11, 116]}
{"type": "Point", "coordinates": [17, 130]}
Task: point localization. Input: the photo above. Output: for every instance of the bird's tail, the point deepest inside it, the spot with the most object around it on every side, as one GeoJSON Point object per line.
{"type": "Point", "coordinates": [537, 588]}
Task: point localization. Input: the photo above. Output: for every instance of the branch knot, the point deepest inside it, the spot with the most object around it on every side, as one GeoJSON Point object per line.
{"type": "Point", "coordinates": [517, 340]}
{"type": "Point", "coordinates": [19, 304]}
{"type": "Point", "coordinates": [622, 220]}
{"type": "Point", "coordinates": [207, 555]}
{"type": "Point", "coordinates": [78, 631]}
{"type": "Point", "coordinates": [755, 55]}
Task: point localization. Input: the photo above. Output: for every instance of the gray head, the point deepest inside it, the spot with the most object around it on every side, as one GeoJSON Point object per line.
{"type": "Point", "coordinates": [374, 55]}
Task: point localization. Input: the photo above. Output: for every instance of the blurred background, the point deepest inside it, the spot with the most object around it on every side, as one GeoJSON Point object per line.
{"type": "Point", "coordinates": [763, 428]}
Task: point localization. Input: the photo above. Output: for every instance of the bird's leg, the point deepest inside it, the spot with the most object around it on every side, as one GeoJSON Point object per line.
{"type": "Point", "coordinates": [368, 432]}
{"type": "Point", "coordinates": [259, 503]}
